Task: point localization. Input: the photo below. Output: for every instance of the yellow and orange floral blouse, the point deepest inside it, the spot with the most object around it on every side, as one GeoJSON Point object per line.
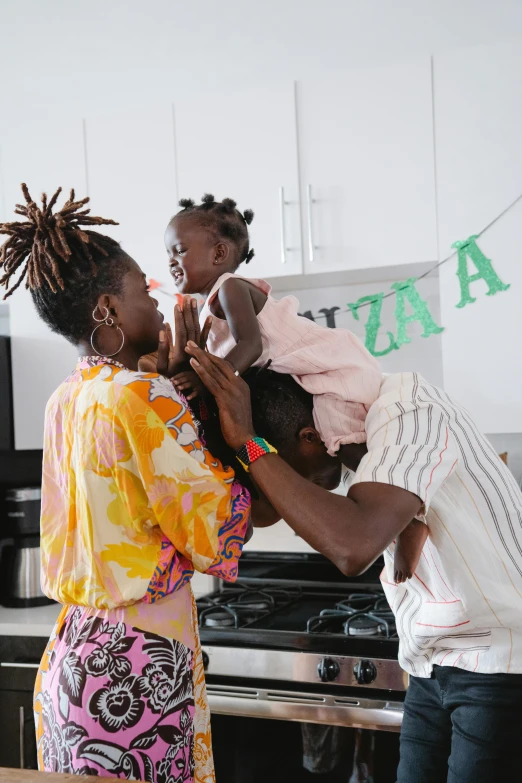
{"type": "Point", "coordinates": [132, 501]}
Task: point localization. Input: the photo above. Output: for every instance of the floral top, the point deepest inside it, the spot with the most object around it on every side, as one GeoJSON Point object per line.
{"type": "Point", "coordinates": [132, 502]}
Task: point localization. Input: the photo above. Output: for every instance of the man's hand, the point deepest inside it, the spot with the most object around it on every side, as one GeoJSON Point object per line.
{"type": "Point", "coordinates": [231, 393]}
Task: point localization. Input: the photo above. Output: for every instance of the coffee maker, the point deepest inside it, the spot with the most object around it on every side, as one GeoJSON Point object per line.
{"type": "Point", "coordinates": [20, 556]}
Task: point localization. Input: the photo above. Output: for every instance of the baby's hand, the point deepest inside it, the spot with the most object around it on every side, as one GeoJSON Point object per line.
{"type": "Point", "coordinates": [408, 550]}
{"type": "Point", "coordinates": [189, 384]}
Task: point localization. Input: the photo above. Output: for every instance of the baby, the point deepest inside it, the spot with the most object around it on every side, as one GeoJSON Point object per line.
{"type": "Point", "coordinates": [206, 244]}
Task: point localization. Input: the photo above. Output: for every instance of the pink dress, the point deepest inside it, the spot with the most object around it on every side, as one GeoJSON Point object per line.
{"type": "Point", "coordinates": [331, 364]}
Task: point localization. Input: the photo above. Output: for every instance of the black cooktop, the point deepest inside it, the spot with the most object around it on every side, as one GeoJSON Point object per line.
{"type": "Point", "coordinates": [336, 616]}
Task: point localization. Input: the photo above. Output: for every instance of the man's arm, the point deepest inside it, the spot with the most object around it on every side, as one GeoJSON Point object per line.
{"type": "Point", "coordinates": [351, 531]}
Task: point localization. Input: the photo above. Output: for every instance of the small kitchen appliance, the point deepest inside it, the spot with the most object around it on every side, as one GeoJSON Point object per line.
{"type": "Point", "coordinates": [20, 557]}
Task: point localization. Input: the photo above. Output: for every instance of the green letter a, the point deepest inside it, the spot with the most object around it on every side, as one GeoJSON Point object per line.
{"type": "Point", "coordinates": [485, 271]}
{"type": "Point", "coordinates": [407, 290]}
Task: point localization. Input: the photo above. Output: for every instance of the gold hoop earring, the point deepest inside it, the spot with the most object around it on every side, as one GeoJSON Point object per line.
{"type": "Point", "coordinates": [106, 321]}
{"type": "Point", "coordinates": [100, 320]}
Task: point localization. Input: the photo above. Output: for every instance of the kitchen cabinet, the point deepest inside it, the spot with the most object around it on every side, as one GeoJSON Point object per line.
{"type": "Point", "coordinates": [125, 161]}
{"type": "Point", "coordinates": [45, 151]}
{"type": "Point", "coordinates": [241, 143]}
{"type": "Point", "coordinates": [479, 173]}
{"type": "Point", "coordinates": [18, 746]}
{"type": "Point", "coordinates": [367, 167]}
{"type": "Point", "coordinates": [19, 660]}
{"type": "Point", "coordinates": [132, 179]}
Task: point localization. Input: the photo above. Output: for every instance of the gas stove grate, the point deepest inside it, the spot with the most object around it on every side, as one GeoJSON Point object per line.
{"type": "Point", "coordinates": [358, 614]}
{"type": "Point", "coordinates": [241, 605]}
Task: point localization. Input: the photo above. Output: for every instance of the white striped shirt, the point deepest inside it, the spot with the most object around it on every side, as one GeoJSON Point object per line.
{"type": "Point", "coordinates": [463, 605]}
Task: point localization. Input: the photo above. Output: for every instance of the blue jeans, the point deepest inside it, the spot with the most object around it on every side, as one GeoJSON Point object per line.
{"type": "Point", "coordinates": [462, 727]}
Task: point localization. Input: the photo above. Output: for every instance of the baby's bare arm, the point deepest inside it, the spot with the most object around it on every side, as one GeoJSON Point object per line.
{"type": "Point", "coordinates": [235, 299]}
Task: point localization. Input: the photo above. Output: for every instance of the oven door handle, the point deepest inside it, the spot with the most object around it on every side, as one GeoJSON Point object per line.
{"type": "Point", "coordinates": [305, 707]}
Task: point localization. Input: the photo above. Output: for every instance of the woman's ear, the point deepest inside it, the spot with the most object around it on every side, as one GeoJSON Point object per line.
{"type": "Point", "coordinates": [107, 304]}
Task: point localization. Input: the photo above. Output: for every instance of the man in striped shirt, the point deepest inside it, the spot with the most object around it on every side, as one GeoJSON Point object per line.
{"type": "Point", "coordinates": [459, 617]}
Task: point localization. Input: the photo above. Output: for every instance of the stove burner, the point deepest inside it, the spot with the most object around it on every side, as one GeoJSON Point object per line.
{"type": "Point", "coordinates": [219, 622]}
{"type": "Point", "coordinates": [219, 616]}
{"type": "Point", "coordinates": [363, 625]}
{"type": "Point", "coordinates": [257, 600]}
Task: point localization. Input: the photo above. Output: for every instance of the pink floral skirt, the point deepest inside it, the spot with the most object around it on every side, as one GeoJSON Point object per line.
{"type": "Point", "coordinates": [116, 702]}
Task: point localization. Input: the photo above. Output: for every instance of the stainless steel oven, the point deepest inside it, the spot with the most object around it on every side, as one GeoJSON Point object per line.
{"type": "Point", "coordinates": [295, 641]}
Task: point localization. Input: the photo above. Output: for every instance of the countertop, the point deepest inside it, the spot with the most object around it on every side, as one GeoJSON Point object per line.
{"type": "Point", "coordinates": [36, 621]}
{"type": "Point", "coordinates": [40, 620]}
{"type": "Point", "coordinates": [31, 776]}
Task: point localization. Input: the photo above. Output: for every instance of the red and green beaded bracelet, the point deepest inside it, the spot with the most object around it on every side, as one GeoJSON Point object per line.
{"type": "Point", "coordinates": [252, 450]}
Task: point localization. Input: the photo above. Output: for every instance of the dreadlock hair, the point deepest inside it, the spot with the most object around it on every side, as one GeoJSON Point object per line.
{"type": "Point", "coordinates": [65, 266]}
{"type": "Point", "coordinates": [280, 407]}
{"type": "Point", "coordinates": [224, 221]}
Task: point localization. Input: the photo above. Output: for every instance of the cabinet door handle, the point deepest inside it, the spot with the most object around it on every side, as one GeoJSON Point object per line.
{"type": "Point", "coordinates": [16, 665]}
{"type": "Point", "coordinates": [309, 202]}
{"type": "Point", "coordinates": [282, 215]}
{"type": "Point", "coordinates": [21, 737]}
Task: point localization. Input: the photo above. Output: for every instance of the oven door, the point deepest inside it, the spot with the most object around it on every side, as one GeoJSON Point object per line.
{"type": "Point", "coordinates": [253, 750]}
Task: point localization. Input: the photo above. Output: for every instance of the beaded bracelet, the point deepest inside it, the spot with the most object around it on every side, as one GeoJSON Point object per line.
{"type": "Point", "coordinates": [252, 450]}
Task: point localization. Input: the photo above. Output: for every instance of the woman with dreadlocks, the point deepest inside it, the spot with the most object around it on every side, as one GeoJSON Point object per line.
{"type": "Point", "coordinates": [132, 503]}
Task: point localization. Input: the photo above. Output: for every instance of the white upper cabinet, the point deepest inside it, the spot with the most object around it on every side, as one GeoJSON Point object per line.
{"type": "Point", "coordinates": [45, 150]}
{"type": "Point", "coordinates": [367, 167]}
{"type": "Point", "coordinates": [241, 143]}
{"type": "Point", "coordinates": [132, 179]}
{"type": "Point", "coordinates": [478, 110]}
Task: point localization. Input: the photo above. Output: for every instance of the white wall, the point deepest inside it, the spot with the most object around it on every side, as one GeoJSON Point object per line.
{"type": "Point", "coordinates": [478, 127]}
{"type": "Point", "coordinates": [4, 320]}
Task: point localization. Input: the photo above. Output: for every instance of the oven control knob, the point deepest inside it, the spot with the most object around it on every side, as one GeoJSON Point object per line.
{"type": "Point", "coordinates": [328, 670]}
{"type": "Point", "coordinates": [206, 660]}
{"type": "Point", "coordinates": [365, 672]}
